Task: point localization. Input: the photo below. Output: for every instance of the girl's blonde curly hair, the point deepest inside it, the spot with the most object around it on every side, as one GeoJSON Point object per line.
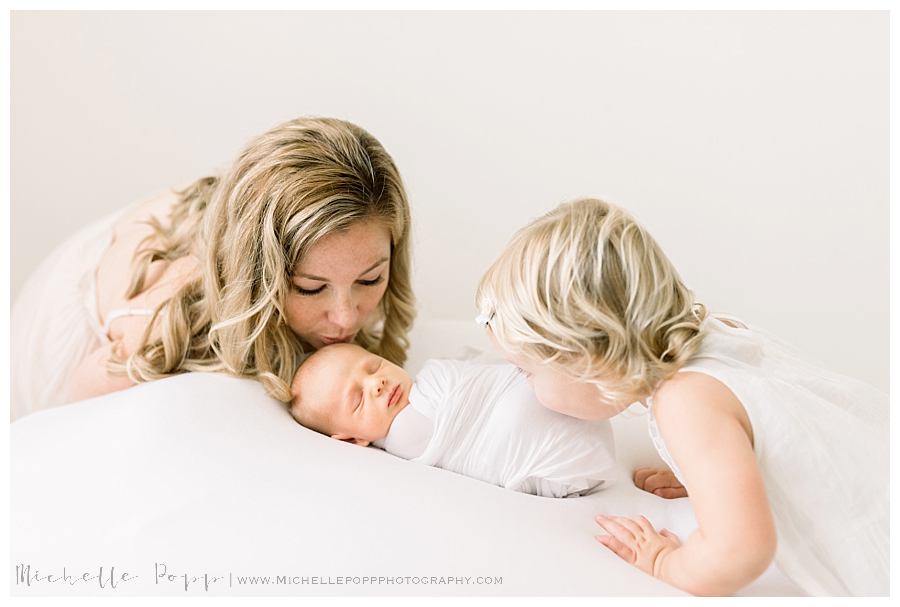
{"type": "Point", "coordinates": [586, 289]}
{"type": "Point", "coordinates": [292, 185]}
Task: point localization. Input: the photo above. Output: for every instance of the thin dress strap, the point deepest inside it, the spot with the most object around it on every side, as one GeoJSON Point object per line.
{"type": "Point", "coordinates": [120, 312]}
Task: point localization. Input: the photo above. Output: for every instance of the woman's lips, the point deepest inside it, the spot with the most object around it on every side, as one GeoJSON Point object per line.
{"type": "Point", "coordinates": [336, 340]}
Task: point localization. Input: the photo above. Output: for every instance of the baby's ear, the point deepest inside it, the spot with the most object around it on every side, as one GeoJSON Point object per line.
{"type": "Point", "coordinates": [350, 439]}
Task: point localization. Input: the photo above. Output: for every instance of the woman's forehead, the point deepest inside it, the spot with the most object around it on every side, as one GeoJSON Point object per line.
{"type": "Point", "coordinates": [354, 251]}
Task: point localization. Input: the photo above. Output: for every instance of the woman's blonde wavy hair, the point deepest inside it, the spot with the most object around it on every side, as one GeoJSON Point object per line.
{"type": "Point", "coordinates": [586, 289]}
{"type": "Point", "coordinates": [292, 185]}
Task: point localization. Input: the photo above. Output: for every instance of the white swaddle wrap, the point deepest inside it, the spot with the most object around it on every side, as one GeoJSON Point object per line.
{"type": "Point", "coordinates": [483, 421]}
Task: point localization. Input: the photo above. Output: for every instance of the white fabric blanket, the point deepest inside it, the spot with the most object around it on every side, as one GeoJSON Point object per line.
{"type": "Point", "coordinates": [488, 425]}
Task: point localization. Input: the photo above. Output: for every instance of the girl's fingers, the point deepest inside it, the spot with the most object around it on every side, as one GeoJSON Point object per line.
{"type": "Point", "coordinates": [616, 529]}
{"type": "Point", "coordinates": [669, 535]}
{"type": "Point", "coordinates": [654, 481]}
{"type": "Point", "coordinates": [641, 475]}
{"type": "Point", "coordinates": [633, 527]}
{"type": "Point", "coordinates": [670, 492]}
{"type": "Point", "coordinates": [658, 481]}
{"type": "Point", "coordinates": [645, 526]}
{"type": "Point", "coordinates": [621, 550]}
{"type": "Point", "coordinates": [661, 479]}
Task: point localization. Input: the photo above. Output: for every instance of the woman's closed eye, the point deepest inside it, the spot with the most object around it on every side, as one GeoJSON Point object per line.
{"type": "Point", "coordinates": [371, 282]}
{"type": "Point", "coordinates": [310, 292]}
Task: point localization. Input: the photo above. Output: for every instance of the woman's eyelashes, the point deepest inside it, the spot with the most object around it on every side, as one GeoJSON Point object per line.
{"type": "Point", "coordinates": [372, 282]}
{"type": "Point", "coordinates": [310, 292]}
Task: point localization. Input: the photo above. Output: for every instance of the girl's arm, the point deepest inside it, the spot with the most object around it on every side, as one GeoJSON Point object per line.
{"type": "Point", "coordinates": [700, 421]}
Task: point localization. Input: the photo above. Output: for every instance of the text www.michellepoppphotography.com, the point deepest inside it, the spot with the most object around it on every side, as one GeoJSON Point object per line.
{"type": "Point", "coordinates": [357, 580]}
{"type": "Point", "coordinates": [112, 578]}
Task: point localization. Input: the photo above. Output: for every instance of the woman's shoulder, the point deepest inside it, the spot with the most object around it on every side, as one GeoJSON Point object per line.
{"type": "Point", "coordinates": [114, 272]}
{"type": "Point", "coordinates": [132, 230]}
{"type": "Point", "coordinates": [157, 206]}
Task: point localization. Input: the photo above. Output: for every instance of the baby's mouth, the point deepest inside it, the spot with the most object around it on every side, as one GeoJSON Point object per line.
{"type": "Point", "coordinates": [395, 396]}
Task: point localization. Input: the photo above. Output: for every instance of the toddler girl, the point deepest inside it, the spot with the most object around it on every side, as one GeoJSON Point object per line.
{"type": "Point", "coordinates": [780, 459]}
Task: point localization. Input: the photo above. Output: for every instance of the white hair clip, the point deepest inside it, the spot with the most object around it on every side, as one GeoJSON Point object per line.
{"type": "Point", "coordinates": [483, 319]}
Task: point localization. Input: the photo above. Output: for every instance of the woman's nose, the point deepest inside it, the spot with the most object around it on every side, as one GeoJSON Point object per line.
{"type": "Point", "coordinates": [344, 313]}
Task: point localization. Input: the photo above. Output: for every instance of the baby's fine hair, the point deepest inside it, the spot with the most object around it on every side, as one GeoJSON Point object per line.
{"type": "Point", "coordinates": [586, 289]}
{"type": "Point", "coordinates": [307, 414]}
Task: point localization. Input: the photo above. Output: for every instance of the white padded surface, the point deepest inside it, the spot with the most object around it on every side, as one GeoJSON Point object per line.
{"type": "Point", "coordinates": [207, 474]}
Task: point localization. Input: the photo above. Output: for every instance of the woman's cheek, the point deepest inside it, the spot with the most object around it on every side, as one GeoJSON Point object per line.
{"type": "Point", "coordinates": [373, 299]}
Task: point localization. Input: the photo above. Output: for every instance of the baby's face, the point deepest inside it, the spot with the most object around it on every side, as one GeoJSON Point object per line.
{"type": "Point", "coordinates": [360, 392]}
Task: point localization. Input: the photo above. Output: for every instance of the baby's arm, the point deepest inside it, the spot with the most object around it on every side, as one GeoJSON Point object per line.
{"type": "Point", "coordinates": [735, 540]}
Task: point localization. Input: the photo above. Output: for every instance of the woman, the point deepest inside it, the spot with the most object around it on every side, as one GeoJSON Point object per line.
{"type": "Point", "coordinates": [303, 242]}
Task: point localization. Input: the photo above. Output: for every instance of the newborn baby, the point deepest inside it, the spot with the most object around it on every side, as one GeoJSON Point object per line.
{"type": "Point", "coordinates": [477, 419]}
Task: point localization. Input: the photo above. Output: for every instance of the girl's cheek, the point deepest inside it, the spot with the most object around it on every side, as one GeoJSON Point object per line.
{"type": "Point", "coordinates": [543, 397]}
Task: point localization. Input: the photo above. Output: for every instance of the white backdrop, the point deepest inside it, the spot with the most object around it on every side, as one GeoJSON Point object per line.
{"type": "Point", "coordinates": [753, 145]}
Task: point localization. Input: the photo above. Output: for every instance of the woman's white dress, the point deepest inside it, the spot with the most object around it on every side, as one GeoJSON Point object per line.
{"type": "Point", "coordinates": [821, 441]}
{"type": "Point", "coordinates": [54, 320]}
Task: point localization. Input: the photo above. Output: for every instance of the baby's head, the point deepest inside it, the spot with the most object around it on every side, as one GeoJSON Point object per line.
{"type": "Point", "coordinates": [586, 302]}
{"type": "Point", "coordinates": [348, 393]}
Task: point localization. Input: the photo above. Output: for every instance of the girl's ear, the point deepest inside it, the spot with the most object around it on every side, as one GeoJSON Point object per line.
{"type": "Point", "coordinates": [350, 439]}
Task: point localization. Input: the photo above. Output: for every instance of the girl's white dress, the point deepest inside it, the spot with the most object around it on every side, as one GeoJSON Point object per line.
{"type": "Point", "coordinates": [821, 441]}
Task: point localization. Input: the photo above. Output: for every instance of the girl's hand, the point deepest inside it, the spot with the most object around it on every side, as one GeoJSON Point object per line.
{"type": "Point", "coordinates": [659, 481]}
{"type": "Point", "coordinates": [637, 542]}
